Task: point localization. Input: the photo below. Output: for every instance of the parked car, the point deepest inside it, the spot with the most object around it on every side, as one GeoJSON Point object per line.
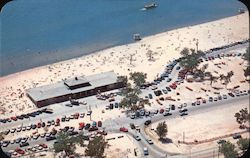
{"type": "Point", "coordinates": [19, 151]}
{"type": "Point", "coordinates": [99, 123]}
{"type": "Point", "coordinates": [183, 114]}
{"type": "Point", "coordinates": [164, 91]}
{"type": "Point", "coordinates": [221, 141]}
{"type": "Point", "coordinates": [82, 115]}
{"type": "Point", "coordinates": [12, 130]}
{"type": "Point", "coordinates": [210, 99]}
{"type": "Point", "coordinates": [24, 144]}
{"type": "Point", "coordinates": [167, 114]}
{"type": "Point", "coordinates": [147, 122]}
{"type": "Point", "coordinates": [236, 136]}
{"type": "Point", "coordinates": [161, 111]}
{"type": "Point", "coordinates": [150, 96]}
{"type": "Point", "coordinates": [183, 110]}
{"type": "Point", "coordinates": [231, 94]}
{"type": "Point", "coordinates": [137, 137]}
{"type": "Point", "coordinates": [5, 143]}
{"type": "Point", "coordinates": [50, 138]}
{"type": "Point", "coordinates": [87, 126]}
{"type": "Point", "coordinates": [123, 129]}
{"type": "Point", "coordinates": [215, 99]}
{"type": "Point", "coordinates": [168, 89]}
{"type": "Point", "coordinates": [150, 141]}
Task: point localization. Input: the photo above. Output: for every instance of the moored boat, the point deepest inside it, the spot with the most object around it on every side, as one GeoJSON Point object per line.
{"type": "Point", "coordinates": [150, 6]}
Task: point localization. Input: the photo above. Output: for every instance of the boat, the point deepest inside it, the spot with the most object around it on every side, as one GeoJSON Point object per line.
{"type": "Point", "coordinates": [137, 37]}
{"type": "Point", "coordinates": [241, 11]}
{"type": "Point", "coordinates": [150, 6]}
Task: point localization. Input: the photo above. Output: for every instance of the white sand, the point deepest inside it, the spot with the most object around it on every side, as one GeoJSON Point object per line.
{"type": "Point", "coordinates": [165, 46]}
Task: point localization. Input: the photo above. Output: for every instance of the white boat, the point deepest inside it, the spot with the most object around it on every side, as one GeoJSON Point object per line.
{"type": "Point", "coordinates": [137, 37]}
{"type": "Point", "coordinates": [150, 6]}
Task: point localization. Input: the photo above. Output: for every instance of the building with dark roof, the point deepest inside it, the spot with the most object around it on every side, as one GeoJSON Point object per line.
{"type": "Point", "coordinates": [75, 88]}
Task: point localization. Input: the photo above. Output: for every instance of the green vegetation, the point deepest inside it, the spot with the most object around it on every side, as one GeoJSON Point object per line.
{"type": "Point", "coordinates": [243, 144]}
{"type": "Point", "coordinates": [162, 129]}
{"type": "Point", "coordinates": [247, 55]}
{"type": "Point", "coordinates": [247, 58]}
{"type": "Point", "coordinates": [124, 79]}
{"type": "Point", "coordinates": [228, 150]}
{"type": "Point", "coordinates": [190, 59]}
{"type": "Point", "coordinates": [242, 117]}
{"type": "Point", "coordinates": [65, 143]}
{"type": "Point", "coordinates": [130, 93]}
{"type": "Point", "coordinates": [96, 147]}
{"type": "Point", "coordinates": [139, 78]}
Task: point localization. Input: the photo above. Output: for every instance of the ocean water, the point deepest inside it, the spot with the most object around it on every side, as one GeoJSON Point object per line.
{"type": "Point", "coordinates": [39, 32]}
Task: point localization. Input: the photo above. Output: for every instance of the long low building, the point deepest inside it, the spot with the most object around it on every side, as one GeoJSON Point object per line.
{"type": "Point", "coordinates": [75, 88]}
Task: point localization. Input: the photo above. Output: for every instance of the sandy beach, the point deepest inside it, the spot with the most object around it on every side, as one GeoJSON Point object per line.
{"type": "Point", "coordinates": [122, 59]}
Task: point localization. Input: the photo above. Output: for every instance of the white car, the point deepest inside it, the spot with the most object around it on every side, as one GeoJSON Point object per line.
{"type": "Point", "coordinates": [132, 116]}
{"type": "Point", "coordinates": [184, 104]}
{"type": "Point", "coordinates": [154, 88]}
{"type": "Point", "coordinates": [150, 141]}
{"type": "Point", "coordinates": [24, 128]}
{"type": "Point", "coordinates": [12, 130]}
{"type": "Point", "coordinates": [28, 127]}
{"type": "Point", "coordinates": [137, 138]}
{"type": "Point", "coordinates": [82, 115]}
{"type": "Point", "coordinates": [19, 129]}
{"type": "Point", "coordinates": [224, 96]}
{"type": "Point", "coordinates": [84, 103]}
{"type": "Point", "coordinates": [89, 113]}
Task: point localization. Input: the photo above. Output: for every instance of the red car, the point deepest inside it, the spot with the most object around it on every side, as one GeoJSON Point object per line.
{"type": "Point", "coordinates": [19, 151]}
{"type": "Point", "coordinates": [81, 125]}
{"type": "Point", "coordinates": [161, 111]}
{"type": "Point", "coordinates": [99, 123]}
{"type": "Point", "coordinates": [76, 116]}
{"type": "Point", "coordinates": [13, 118]}
{"type": "Point", "coordinates": [43, 145]}
{"type": "Point", "coordinates": [57, 120]}
{"type": "Point", "coordinates": [123, 129]}
{"type": "Point", "coordinates": [39, 125]}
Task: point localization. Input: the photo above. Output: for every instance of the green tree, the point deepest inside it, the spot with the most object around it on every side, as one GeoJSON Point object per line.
{"type": "Point", "coordinates": [243, 144]}
{"type": "Point", "coordinates": [96, 147]}
{"type": "Point", "coordinates": [79, 138]}
{"type": "Point", "coordinates": [65, 143]}
{"type": "Point", "coordinates": [242, 117]}
{"type": "Point", "coordinates": [139, 78]}
{"type": "Point", "coordinates": [247, 71]}
{"type": "Point", "coordinates": [162, 129]}
{"type": "Point", "coordinates": [246, 56]}
{"type": "Point", "coordinates": [190, 59]}
{"type": "Point", "coordinates": [123, 79]}
{"type": "Point", "coordinates": [228, 150]}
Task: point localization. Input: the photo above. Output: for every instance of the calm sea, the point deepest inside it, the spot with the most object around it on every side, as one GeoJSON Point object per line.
{"type": "Point", "coordinates": [39, 32]}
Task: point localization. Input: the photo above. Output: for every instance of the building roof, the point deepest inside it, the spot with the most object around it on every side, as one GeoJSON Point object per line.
{"type": "Point", "coordinates": [59, 88]}
{"type": "Point", "coordinates": [76, 81]}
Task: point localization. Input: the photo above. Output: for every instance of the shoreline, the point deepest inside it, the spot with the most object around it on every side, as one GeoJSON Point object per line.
{"type": "Point", "coordinates": [146, 38]}
{"type": "Point", "coordinates": [123, 59]}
